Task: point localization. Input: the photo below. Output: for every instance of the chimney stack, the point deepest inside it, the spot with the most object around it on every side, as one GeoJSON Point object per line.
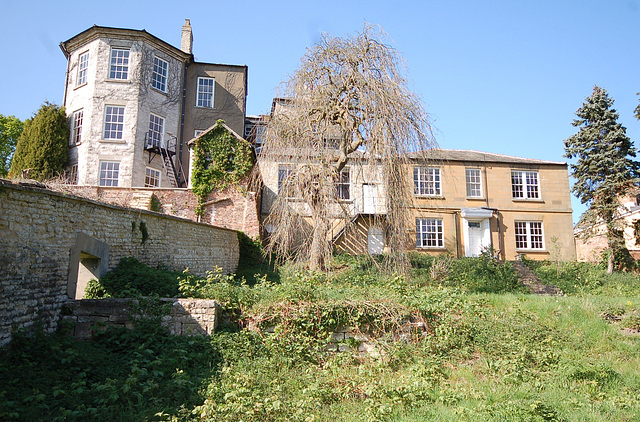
{"type": "Point", "coordinates": [186, 44]}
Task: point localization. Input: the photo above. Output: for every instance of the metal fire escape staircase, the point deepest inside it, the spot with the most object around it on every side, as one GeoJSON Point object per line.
{"type": "Point", "coordinates": [167, 151]}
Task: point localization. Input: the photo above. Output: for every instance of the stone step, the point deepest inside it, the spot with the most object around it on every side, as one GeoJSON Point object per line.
{"type": "Point", "coordinates": [532, 281]}
{"type": "Point", "coordinates": [141, 200]}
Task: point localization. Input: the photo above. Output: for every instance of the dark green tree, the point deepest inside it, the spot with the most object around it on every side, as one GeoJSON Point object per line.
{"type": "Point", "coordinates": [604, 169]}
{"type": "Point", "coordinates": [10, 130]}
{"type": "Point", "coordinates": [43, 146]}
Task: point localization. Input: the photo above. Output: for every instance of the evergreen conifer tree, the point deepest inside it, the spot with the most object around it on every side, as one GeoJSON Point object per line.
{"type": "Point", "coordinates": [43, 146]}
{"type": "Point", "coordinates": [604, 169]}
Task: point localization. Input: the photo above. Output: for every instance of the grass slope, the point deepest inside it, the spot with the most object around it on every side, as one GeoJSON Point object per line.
{"type": "Point", "coordinates": [489, 351]}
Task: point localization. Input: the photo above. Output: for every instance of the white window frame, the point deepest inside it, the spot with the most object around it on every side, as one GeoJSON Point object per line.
{"type": "Point", "coordinates": [83, 65]}
{"type": "Point", "coordinates": [159, 74]}
{"type": "Point", "coordinates": [113, 122]}
{"type": "Point", "coordinates": [205, 98]}
{"type": "Point", "coordinates": [151, 178]}
{"type": "Point", "coordinates": [529, 235]}
{"type": "Point", "coordinates": [119, 63]}
{"type": "Point", "coordinates": [72, 177]}
{"type": "Point", "coordinates": [109, 173]}
{"type": "Point", "coordinates": [285, 171]}
{"type": "Point", "coordinates": [343, 184]}
{"type": "Point", "coordinates": [427, 181]}
{"type": "Point", "coordinates": [429, 233]}
{"type": "Point", "coordinates": [76, 127]}
{"type": "Point", "coordinates": [156, 131]}
{"type": "Point", "coordinates": [473, 177]}
{"type": "Point", "coordinates": [525, 184]}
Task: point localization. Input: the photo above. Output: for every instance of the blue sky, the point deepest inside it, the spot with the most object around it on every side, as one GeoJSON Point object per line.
{"type": "Point", "coordinates": [496, 76]}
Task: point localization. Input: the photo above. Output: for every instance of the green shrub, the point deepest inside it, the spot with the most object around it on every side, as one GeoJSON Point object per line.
{"type": "Point", "coordinates": [586, 278]}
{"type": "Point", "coordinates": [132, 278]}
{"type": "Point", "coordinates": [224, 288]}
{"type": "Point", "coordinates": [121, 374]}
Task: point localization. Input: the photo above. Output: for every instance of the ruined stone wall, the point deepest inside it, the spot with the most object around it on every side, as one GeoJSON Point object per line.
{"type": "Point", "coordinates": [180, 316]}
{"type": "Point", "coordinates": [40, 229]}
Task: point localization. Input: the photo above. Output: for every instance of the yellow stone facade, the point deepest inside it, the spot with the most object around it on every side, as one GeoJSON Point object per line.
{"type": "Point", "coordinates": [465, 203]}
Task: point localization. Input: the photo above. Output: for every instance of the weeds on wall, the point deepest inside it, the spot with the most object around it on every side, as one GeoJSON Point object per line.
{"type": "Point", "coordinates": [144, 232]}
{"type": "Point", "coordinates": [220, 160]}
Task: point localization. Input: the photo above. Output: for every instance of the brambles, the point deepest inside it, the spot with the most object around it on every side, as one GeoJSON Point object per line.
{"type": "Point", "coordinates": [132, 278]}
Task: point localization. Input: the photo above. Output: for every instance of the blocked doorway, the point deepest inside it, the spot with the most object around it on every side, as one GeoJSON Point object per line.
{"type": "Point", "coordinates": [89, 259]}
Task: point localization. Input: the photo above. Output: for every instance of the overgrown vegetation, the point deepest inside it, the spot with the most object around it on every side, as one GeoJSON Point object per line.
{"type": "Point", "coordinates": [455, 340]}
{"type": "Point", "coordinates": [582, 278]}
{"type": "Point", "coordinates": [132, 278]}
{"type": "Point", "coordinates": [220, 161]}
{"type": "Point", "coordinates": [121, 374]}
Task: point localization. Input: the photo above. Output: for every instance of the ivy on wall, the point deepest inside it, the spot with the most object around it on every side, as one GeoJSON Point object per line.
{"type": "Point", "coordinates": [220, 160]}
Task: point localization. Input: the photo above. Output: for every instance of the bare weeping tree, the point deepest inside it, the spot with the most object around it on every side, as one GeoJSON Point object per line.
{"type": "Point", "coordinates": [348, 103]}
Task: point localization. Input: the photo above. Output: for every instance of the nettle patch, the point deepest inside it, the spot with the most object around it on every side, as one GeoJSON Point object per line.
{"type": "Point", "coordinates": [221, 160]}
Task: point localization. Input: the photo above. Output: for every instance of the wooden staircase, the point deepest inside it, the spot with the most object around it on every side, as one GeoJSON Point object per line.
{"type": "Point", "coordinates": [529, 279]}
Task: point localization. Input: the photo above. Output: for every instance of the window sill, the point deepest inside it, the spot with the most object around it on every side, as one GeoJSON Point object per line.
{"type": "Point", "coordinates": [205, 108]}
{"type": "Point", "coordinates": [429, 196]}
{"type": "Point", "coordinates": [431, 248]}
{"type": "Point", "coordinates": [79, 86]}
{"type": "Point", "coordinates": [541, 201]}
{"type": "Point", "coordinates": [165, 93]}
{"type": "Point", "coordinates": [120, 81]}
{"type": "Point", "coordinates": [531, 250]}
{"type": "Point", "coordinates": [113, 141]}
{"type": "Point", "coordinates": [476, 198]}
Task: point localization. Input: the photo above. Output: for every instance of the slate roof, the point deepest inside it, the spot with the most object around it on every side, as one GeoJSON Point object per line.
{"type": "Point", "coordinates": [479, 156]}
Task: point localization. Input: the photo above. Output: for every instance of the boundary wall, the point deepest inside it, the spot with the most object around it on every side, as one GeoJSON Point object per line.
{"type": "Point", "coordinates": [51, 244]}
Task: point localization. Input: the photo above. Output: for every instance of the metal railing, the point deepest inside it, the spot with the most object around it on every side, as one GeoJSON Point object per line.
{"type": "Point", "coordinates": [153, 141]}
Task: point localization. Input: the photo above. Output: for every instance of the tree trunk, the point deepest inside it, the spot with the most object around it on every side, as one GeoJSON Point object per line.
{"type": "Point", "coordinates": [610, 263]}
{"type": "Point", "coordinates": [316, 256]}
{"type": "Point", "coordinates": [318, 249]}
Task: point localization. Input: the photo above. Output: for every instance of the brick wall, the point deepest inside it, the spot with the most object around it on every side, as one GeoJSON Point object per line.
{"type": "Point", "coordinates": [235, 209]}
{"type": "Point", "coordinates": [40, 232]}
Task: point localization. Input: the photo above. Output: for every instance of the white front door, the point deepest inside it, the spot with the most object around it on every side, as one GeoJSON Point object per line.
{"type": "Point", "coordinates": [375, 241]}
{"type": "Point", "coordinates": [370, 197]}
{"type": "Point", "coordinates": [477, 236]}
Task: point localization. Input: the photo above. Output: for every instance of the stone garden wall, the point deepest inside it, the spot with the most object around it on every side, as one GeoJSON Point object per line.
{"type": "Point", "coordinates": [181, 316]}
{"type": "Point", "coordinates": [235, 208]}
{"type": "Point", "coordinates": [52, 243]}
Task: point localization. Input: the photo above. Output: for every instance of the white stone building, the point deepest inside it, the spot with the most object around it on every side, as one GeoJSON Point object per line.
{"type": "Point", "coordinates": [134, 101]}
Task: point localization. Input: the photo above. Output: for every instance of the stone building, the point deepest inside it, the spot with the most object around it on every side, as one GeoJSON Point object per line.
{"type": "Point", "coordinates": [590, 248]}
{"type": "Point", "coordinates": [464, 202]}
{"type": "Point", "coordinates": [134, 101]}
